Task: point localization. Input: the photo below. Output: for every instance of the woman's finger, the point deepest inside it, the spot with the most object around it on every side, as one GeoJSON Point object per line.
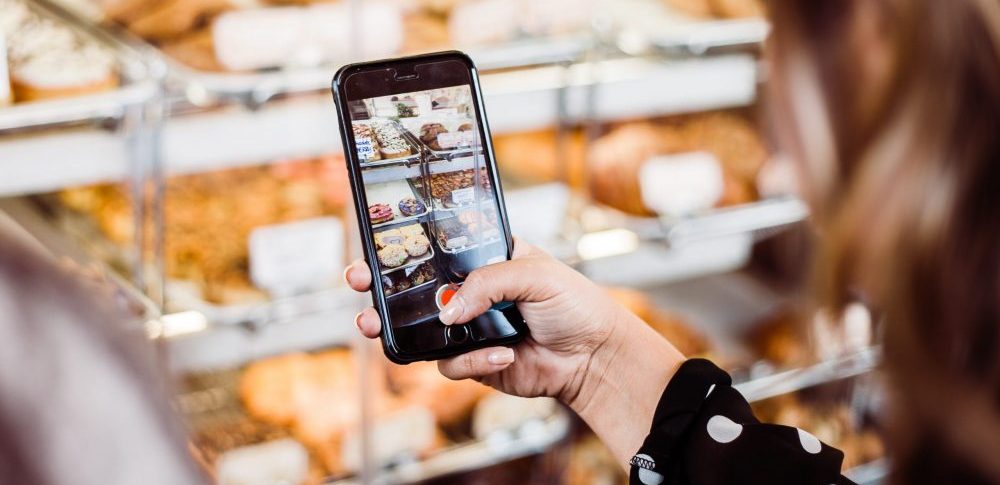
{"type": "Point", "coordinates": [358, 276]}
{"type": "Point", "coordinates": [368, 323]}
{"type": "Point", "coordinates": [479, 363]}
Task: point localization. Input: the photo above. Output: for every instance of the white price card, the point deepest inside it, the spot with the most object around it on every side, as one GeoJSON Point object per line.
{"type": "Point", "coordinates": [681, 184]}
{"type": "Point", "coordinates": [454, 139]}
{"type": "Point", "coordinates": [463, 196]}
{"type": "Point", "coordinates": [286, 258]}
{"type": "Point", "coordinates": [366, 149]}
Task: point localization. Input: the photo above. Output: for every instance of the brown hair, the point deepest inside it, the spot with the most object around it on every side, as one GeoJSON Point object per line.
{"type": "Point", "coordinates": [899, 148]}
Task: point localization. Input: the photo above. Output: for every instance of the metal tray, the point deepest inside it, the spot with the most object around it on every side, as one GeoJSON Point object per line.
{"type": "Point", "coordinates": [448, 154]}
{"type": "Point", "coordinates": [396, 221]}
{"type": "Point", "coordinates": [415, 147]}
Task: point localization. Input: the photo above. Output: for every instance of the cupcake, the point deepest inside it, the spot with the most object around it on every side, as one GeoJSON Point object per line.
{"type": "Point", "coordinates": [392, 256]}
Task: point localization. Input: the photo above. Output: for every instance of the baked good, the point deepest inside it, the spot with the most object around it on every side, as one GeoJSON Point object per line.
{"type": "Point", "coordinates": [390, 141]}
{"type": "Point", "coordinates": [417, 245]}
{"type": "Point", "coordinates": [442, 185]}
{"type": "Point", "coordinates": [393, 255]}
{"type": "Point", "coordinates": [451, 234]}
{"type": "Point", "coordinates": [616, 159]}
{"type": "Point", "coordinates": [391, 236]}
{"type": "Point", "coordinates": [379, 213]}
{"type": "Point", "coordinates": [411, 207]}
{"type": "Point", "coordinates": [429, 134]}
{"type": "Point", "coordinates": [363, 134]}
{"type": "Point", "coordinates": [450, 401]}
{"type": "Point", "coordinates": [47, 60]}
{"type": "Point", "coordinates": [195, 49]}
{"type": "Point", "coordinates": [422, 273]}
{"type": "Point", "coordinates": [465, 127]}
{"type": "Point", "coordinates": [411, 230]}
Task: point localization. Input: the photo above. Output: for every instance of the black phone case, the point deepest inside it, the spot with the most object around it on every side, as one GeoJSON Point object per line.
{"type": "Point", "coordinates": [389, 334]}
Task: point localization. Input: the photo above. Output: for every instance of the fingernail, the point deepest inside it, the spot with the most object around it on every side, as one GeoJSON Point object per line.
{"type": "Point", "coordinates": [347, 274]}
{"type": "Point", "coordinates": [357, 320]}
{"type": "Point", "coordinates": [452, 310]}
{"type": "Point", "coordinates": [501, 357]}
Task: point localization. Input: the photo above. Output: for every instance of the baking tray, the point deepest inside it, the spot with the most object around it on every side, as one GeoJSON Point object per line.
{"type": "Point", "coordinates": [415, 157]}
{"type": "Point", "coordinates": [411, 261]}
{"type": "Point", "coordinates": [139, 82]}
{"type": "Point", "coordinates": [395, 191]}
{"type": "Point", "coordinates": [474, 241]}
{"type": "Point", "coordinates": [412, 127]}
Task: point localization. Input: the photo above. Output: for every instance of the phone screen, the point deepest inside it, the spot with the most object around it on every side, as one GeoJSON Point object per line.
{"type": "Point", "coordinates": [433, 210]}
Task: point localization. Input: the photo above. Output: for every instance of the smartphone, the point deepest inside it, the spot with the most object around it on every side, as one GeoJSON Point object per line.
{"type": "Point", "coordinates": [428, 198]}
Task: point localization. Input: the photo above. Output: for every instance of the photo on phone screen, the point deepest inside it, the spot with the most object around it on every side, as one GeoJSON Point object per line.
{"type": "Point", "coordinates": [427, 182]}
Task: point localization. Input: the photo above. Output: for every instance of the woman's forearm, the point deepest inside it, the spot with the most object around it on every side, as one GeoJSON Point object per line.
{"type": "Point", "coordinates": [623, 383]}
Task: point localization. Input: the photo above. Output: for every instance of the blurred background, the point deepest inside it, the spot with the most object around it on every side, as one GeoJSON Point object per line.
{"type": "Point", "coordinates": [150, 141]}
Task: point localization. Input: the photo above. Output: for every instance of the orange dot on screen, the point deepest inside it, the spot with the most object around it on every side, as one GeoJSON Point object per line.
{"type": "Point", "coordinates": [447, 294]}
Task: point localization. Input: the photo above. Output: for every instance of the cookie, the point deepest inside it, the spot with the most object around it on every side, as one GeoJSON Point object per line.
{"type": "Point", "coordinates": [417, 245]}
{"type": "Point", "coordinates": [393, 255]}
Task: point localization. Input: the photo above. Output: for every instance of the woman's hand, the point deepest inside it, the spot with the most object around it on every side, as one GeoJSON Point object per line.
{"type": "Point", "coordinates": [570, 318]}
{"type": "Point", "coordinates": [584, 349]}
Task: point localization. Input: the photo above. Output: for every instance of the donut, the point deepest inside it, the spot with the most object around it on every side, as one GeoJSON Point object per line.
{"type": "Point", "coordinates": [411, 207]}
{"type": "Point", "coordinates": [379, 213]}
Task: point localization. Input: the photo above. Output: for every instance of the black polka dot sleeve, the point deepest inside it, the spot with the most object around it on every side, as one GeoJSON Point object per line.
{"type": "Point", "coordinates": [704, 433]}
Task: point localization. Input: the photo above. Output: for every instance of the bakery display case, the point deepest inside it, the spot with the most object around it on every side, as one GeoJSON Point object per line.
{"type": "Point", "coordinates": [627, 138]}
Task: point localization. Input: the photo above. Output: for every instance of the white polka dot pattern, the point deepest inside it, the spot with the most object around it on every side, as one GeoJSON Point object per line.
{"type": "Point", "coordinates": [649, 477]}
{"type": "Point", "coordinates": [723, 429]}
{"type": "Point", "coordinates": [809, 442]}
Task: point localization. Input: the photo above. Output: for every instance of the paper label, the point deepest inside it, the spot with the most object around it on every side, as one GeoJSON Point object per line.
{"type": "Point", "coordinates": [287, 258]}
{"type": "Point", "coordinates": [454, 139]}
{"type": "Point", "coordinates": [366, 149]}
{"type": "Point", "coordinates": [463, 196]}
{"type": "Point", "coordinates": [681, 184]}
{"type": "Point", "coordinates": [457, 242]}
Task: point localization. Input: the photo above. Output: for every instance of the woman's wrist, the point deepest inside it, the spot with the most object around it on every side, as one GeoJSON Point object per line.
{"type": "Point", "coordinates": [622, 382]}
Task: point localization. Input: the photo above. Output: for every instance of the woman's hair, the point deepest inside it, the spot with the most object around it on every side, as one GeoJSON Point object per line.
{"type": "Point", "coordinates": [892, 108]}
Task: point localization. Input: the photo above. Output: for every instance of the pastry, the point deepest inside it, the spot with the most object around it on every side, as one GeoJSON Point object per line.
{"type": "Point", "coordinates": [391, 143]}
{"type": "Point", "coordinates": [363, 136]}
{"type": "Point", "coordinates": [411, 230]}
{"type": "Point", "coordinates": [411, 207]}
{"type": "Point", "coordinates": [465, 127]}
{"type": "Point", "coordinates": [452, 234]}
{"type": "Point", "coordinates": [379, 213]}
{"type": "Point", "coordinates": [422, 273]}
{"type": "Point", "coordinates": [48, 60]}
{"type": "Point", "coordinates": [385, 238]}
{"type": "Point", "coordinates": [429, 134]}
{"type": "Point", "coordinates": [392, 255]}
{"type": "Point", "coordinates": [442, 185]}
{"type": "Point", "coordinates": [417, 245]}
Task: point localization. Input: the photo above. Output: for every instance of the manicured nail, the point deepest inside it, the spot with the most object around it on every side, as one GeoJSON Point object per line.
{"type": "Point", "coordinates": [347, 274]}
{"type": "Point", "coordinates": [452, 310]}
{"type": "Point", "coordinates": [501, 357]}
{"type": "Point", "coordinates": [357, 320]}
